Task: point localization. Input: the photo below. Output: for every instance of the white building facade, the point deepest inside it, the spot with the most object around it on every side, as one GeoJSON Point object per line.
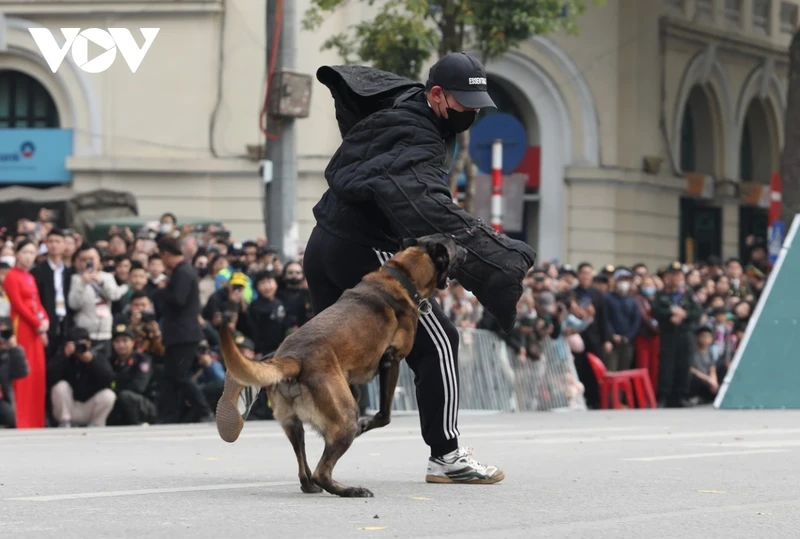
{"type": "Point", "coordinates": [694, 88]}
{"type": "Point", "coordinates": [151, 132]}
{"type": "Point", "coordinates": [653, 130]}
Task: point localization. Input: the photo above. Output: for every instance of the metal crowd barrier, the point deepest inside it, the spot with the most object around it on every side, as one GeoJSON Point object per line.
{"type": "Point", "coordinates": [492, 378]}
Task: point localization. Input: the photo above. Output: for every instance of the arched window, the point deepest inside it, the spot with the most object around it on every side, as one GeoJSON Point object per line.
{"type": "Point", "coordinates": [759, 147]}
{"type": "Point", "coordinates": [25, 103]}
{"type": "Point", "coordinates": [698, 143]}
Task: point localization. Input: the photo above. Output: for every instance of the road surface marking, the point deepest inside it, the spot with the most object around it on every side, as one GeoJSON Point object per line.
{"type": "Point", "coordinates": [705, 455]}
{"type": "Point", "coordinates": [663, 436]}
{"type": "Point", "coordinates": [753, 444]}
{"type": "Point", "coordinates": [117, 493]}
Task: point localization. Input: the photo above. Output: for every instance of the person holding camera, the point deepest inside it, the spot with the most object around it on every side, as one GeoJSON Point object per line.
{"type": "Point", "coordinates": [227, 301]}
{"type": "Point", "coordinates": [91, 294]}
{"type": "Point", "coordinates": [13, 366]}
{"type": "Point", "coordinates": [133, 374]}
{"type": "Point", "coordinates": [180, 296]}
{"type": "Point", "coordinates": [82, 377]}
{"type": "Point", "coordinates": [141, 319]}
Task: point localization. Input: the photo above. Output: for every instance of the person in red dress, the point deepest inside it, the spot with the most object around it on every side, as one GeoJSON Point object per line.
{"type": "Point", "coordinates": [30, 326]}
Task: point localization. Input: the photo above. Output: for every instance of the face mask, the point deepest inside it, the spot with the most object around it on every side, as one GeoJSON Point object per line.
{"type": "Point", "coordinates": [649, 291]}
{"type": "Point", "coordinates": [166, 228]}
{"type": "Point", "coordinates": [202, 272]}
{"type": "Point", "coordinates": [294, 280]}
{"type": "Point", "coordinates": [11, 260]}
{"type": "Point", "coordinates": [460, 120]}
{"type": "Point", "coordinates": [623, 287]}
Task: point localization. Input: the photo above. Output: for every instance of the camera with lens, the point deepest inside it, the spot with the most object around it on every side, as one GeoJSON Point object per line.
{"type": "Point", "coordinates": [81, 347]}
{"type": "Point", "coordinates": [5, 335]}
{"type": "Point", "coordinates": [203, 348]}
{"type": "Point", "coordinates": [148, 316]}
{"type": "Point", "coordinates": [228, 316]}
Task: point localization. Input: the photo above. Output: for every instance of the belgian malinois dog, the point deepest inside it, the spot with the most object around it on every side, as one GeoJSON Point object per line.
{"type": "Point", "coordinates": [368, 331]}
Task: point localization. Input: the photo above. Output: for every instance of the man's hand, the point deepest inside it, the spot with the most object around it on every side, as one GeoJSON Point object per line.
{"type": "Point", "coordinates": [90, 276]}
{"type": "Point", "coordinates": [136, 317]}
{"type": "Point", "coordinates": [616, 339]}
{"type": "Point", "coordinates": [69, 349]}
{"type": "Point", "coordinates": [44, 327]}
{"type": "Point", "coordinates": [85, 357]}
{"type": "Point", "coordinates": [522, 355]}
{"type": "Point", "coordinates": [162, 284]}
{"type": "Point", "coordinates": [153, 331]}
{"type": "Point", "coordinates": [608, 347]}
{"type": "Point", "coordinates": [678, 311]}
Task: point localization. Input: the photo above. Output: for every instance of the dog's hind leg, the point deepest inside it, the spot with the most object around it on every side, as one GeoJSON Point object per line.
{"type": "Point", "coordinates": [389, 372]}
{"type": "Point", "coordinates": [340, 412]}
{"type": "Point", "coordinates": [294, 430]}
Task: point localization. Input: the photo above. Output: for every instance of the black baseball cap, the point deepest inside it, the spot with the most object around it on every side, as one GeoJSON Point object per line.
{"type": "Point", "coordinates": [464, 77]}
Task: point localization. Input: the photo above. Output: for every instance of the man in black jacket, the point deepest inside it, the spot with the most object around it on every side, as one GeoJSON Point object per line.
{"type": "Point", "coordinates": [82, 377]}
{"type": "Point", "coordinates": [386, 185]}
{"type": "Point", "coordinates": [180, 297]}
{"type": "Point", "coordinates": [133, 373]}
{"type": "Point", "coordinates": [53, 280]}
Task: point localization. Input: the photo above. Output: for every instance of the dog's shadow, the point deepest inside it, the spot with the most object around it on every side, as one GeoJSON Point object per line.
{"type": "Point", "coordinates": [383, 490]}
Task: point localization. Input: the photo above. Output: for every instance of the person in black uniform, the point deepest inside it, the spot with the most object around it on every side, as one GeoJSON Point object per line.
{"type": "Point", "coordinates": [180, 327]}
{"type": "Point", "coordinates": [386, 185]}
{"type": "Point", "coordinates": [678, 315]}
{"type": "Point", "coordinates": [266, 319]}
{"type": "Point", "coordinates": [133, 373]}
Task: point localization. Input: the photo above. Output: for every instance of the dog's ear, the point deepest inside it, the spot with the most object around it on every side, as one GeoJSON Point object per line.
{"type": "Point", "coordinates": [441, 261]}
{"type": "Point", "coordinates": [409, 242]}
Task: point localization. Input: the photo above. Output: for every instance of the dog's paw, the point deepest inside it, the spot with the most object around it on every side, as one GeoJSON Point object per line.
{"type": "Point", "coordinates": [310, 488]}
{"type": "Point", "coordinates": [357, 492]}
{"type": "Point", "coordinates": [364, 424]}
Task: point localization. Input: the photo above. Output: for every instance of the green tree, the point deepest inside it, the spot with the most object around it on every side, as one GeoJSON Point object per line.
{"type": "Point", "coordinates": [405, 33]}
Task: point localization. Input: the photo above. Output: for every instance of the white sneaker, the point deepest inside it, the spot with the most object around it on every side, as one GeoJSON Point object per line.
{"type": "Point", "coordinates": [247, 398]}
{"type": "Point", "coordinates": [459, 467]}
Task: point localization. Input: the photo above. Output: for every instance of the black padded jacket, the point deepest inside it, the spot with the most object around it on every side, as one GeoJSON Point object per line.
{"type": "Point", "coordinates": [387, 182]}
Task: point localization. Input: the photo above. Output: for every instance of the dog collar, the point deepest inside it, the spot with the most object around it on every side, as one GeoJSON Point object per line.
{"type": "Point", "coordinates": [422, 303]}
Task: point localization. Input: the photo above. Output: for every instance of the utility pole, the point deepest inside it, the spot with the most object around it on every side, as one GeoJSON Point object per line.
{"type": "Point", "coordinates": [281, 220]}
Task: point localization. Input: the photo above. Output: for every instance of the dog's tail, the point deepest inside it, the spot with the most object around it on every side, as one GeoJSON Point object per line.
{"type": "Point", "coordinates": [254, 373]}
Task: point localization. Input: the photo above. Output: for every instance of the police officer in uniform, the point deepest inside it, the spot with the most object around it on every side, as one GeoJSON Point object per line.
{"type": "Point", "coordinates": [133, 373]}
{"type": "Point", "coordinates": [678, 315]}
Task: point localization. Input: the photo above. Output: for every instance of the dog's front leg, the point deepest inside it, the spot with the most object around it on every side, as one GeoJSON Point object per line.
{"type": "Point", "coordinates": [388, 372]}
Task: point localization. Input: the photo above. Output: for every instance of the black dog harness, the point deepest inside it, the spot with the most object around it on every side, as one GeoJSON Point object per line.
{"type": "Point", "coordinates": [423, 304]}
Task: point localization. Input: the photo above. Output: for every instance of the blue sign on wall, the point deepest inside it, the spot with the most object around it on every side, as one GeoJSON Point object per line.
{"type": "Point", "coordinates": [776, 234]}
{"type": "Point", "coordinates": [30, 156]}
{"type": "Point", "coordinates": [498, 126]}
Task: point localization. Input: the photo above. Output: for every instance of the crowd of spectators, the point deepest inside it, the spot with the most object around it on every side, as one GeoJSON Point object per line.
{"type": "Point", "coordinates": [85, 327]}
{"type": "Point", "coordinates": [683, 322]}
{"type": "Point", "coordinates": [82, 323]}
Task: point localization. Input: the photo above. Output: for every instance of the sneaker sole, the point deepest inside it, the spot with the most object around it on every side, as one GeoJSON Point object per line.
{"type": "Point", "coordinates": [229, 420]}
{"type": "Point", "coordinates": [443, 479]}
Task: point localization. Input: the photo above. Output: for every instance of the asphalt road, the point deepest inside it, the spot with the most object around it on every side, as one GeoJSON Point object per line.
{"type": "Point", "coordinates": [644, 473]}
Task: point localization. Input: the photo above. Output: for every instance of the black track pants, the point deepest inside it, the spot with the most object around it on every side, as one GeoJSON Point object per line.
{"type": "Point", "coordinates": [331, 266]}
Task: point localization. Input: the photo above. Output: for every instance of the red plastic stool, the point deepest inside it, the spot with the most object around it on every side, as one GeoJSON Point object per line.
{"type": "Point", "coordinates": [615, 382]}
